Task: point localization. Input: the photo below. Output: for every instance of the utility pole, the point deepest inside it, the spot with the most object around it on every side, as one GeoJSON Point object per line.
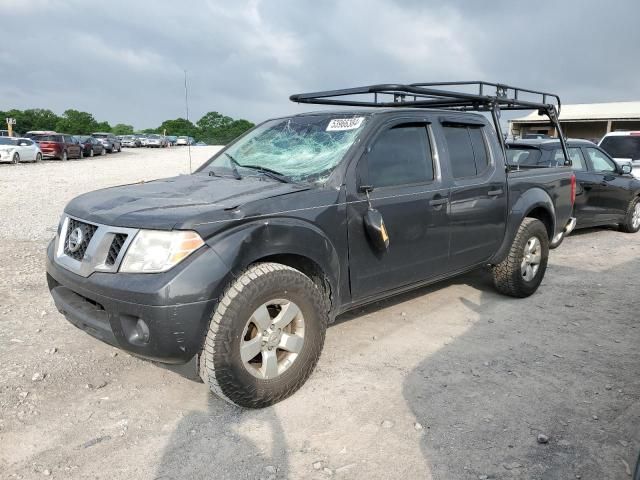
{"type": "Point", "coordinates": [10, 123]}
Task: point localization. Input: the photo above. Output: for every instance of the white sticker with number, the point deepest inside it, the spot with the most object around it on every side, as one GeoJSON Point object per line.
{"type": "Point", "coordinates": [339, 124]}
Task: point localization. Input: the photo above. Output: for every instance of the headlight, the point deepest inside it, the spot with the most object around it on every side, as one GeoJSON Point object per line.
{"type": "Point", "coordinates": [155, 251]}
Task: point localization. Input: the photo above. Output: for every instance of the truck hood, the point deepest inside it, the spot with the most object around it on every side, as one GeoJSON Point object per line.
{"type": "Point", "coordinates": [176, 202]}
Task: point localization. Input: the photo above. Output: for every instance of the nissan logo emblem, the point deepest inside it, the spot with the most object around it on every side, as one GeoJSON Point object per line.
{"type": "Point", "coordinates": [76, 238]}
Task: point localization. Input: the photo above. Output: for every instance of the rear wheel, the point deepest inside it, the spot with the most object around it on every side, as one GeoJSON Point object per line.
{"type": "Point", "coordinates": [64, 156]}
{"type": "Point", "coordinates": [91, 152]}
{"type": "Point", "coordinates": [520, 274]}
{"type": "Point", "coordinates": [16, 158]}
{"type": "Point", "coordinates": [38, 157]}
{"type": "Point", "coordinates": [81, 153]}
{"type": "Point", "coordinates": [631, 222]}
{"type": "Point", "coordinates": [265, 336]}
{"type": "Point", "coordinates": [104, 151]}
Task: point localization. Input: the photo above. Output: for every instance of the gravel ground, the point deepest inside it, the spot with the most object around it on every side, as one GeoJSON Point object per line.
{"type": "Point", "coordinates": [449, 382]}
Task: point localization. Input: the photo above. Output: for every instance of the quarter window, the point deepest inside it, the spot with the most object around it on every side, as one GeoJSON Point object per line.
{"type": "Point", "coordinates": [468, 154]}
{"type": "Point", "coordinates": [599, 161]}
{"type": "Point", "coordinates": [401, 156]}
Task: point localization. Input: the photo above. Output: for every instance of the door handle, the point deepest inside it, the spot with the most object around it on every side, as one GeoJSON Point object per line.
{"type": "Point", "coordinates": [438, 202]}
{"type": "Point", "coordinates": [493, 193]}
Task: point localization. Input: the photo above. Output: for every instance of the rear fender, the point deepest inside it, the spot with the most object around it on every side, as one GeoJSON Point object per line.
{"type": "Point", "coordinates": [534, 201]}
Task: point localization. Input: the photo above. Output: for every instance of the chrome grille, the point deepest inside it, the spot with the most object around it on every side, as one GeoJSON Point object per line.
{"type": "Point", "coordinates": [87, 230]}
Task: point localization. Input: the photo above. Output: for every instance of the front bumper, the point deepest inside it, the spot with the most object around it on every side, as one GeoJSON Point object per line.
{"type": "Point", "coordinates": [161, 317]}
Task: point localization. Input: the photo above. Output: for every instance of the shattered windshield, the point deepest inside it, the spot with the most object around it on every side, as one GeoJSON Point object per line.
{"type": "Point", "coordinates": [305, 148]}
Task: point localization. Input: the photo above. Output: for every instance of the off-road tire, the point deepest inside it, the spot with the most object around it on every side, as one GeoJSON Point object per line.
{"type": "Point", "coordinates": [507, 275]}
{"type": "Point", "coordinates": [221, 367]}
{"type": "Point", "coordinates": [627, 225]}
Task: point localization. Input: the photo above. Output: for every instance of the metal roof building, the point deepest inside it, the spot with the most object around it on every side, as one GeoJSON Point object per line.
{"type": "Point", "coordinates": [588, 120]}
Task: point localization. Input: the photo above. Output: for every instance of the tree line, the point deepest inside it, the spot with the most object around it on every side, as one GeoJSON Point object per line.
{"type": "Point", "coordinates": [213, 128]}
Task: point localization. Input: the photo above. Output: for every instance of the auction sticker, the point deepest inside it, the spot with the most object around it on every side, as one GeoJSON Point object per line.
{"type": "Point", "coordinates": [338, 124]}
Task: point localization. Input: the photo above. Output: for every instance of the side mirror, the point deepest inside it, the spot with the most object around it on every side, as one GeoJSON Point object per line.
{"type": "Point", "coordinates": [625, 169]}
{"type": "Point", "coordinates": [376, 230]}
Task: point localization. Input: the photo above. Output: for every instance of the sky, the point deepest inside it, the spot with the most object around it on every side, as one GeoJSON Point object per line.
{"type": "Point", "coordinates": [124, 61]}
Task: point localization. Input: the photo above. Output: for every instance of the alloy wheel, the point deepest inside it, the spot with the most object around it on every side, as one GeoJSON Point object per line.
{"type": "Point", "coordinates": [531, 259]}
{"type": "Point", "coordinates": [635, 219]}
{"type": "Point", "coordinates": [272, 339]}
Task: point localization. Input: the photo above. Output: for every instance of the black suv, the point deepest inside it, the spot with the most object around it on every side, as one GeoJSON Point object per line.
{"type": "Point", "coordinates": [244, 263]}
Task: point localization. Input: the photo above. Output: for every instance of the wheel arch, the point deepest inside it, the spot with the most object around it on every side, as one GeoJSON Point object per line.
{"type": "Point", "coordinates": [534, 203]}
{"type": "Point", "coordinates": [292, 242]}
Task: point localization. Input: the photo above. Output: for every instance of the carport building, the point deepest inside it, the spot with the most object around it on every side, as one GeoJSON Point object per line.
{"type": "Point", "coordinates": [590, 121]}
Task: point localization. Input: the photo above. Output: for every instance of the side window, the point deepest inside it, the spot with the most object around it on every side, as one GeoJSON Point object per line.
{"type": "Point", "coordinates": [467, 150]}
{"type": "Point", "coordinates": [401, 156]}
{"type": "Point", "coordinates": [575, 155]}
{"type": "Point", "coordinates": [599, 161]}
{"type": "Point", "coordinates": [479, 149]}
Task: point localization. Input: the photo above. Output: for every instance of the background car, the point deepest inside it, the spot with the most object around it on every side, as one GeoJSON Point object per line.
{"type": "Point", "coordinates": [109, 141]}
{"type": "Point", "coordinates": [184, 140]}
{"type": "Point", "coordinates": [171, 139]}
{"type": "Point", "coordinates": [57, 145]}
{"type": "Point", "coordinates": [90, 146]}
{"type": "Point", "coordinates": [606, 193]}
{"type": "Point", "coordinates": [16, 150]}
{"type": "Point", "coordinates": [623, 145]}
{"type": "Point", "coordinates": [131, 141]}
{"type": "Point", "coordinates": [156, 141]}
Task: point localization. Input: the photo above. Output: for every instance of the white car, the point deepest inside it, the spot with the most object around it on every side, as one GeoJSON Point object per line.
{"type": "Point", "coordinates": [16, 150]}
{"type": "Point", "coordinates": [623, 146]}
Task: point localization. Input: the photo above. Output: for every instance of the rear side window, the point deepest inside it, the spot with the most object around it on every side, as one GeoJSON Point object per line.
{"type": "Point", "coordinates": [622, 146]}
{"type": "Point", "coordinates": [467, 150]}
{"type": "Point", "coordinates": [575, 155]}
{"type": "Point", "coordinates": [401, 156]}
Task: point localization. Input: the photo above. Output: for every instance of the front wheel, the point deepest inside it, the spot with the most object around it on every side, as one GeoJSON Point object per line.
{"type": "Point", "coordinates": [38, 157]}
{"type": "Point", "coordinates": [64, 156]}
{"type": "Point", "coordinates": [81, 153]}
{"type": "Point", "coordinates": [91, 152]}
{"type": "Point", "coordinates": [16, 158]}
{"type": "Point", "coordinates": [265, 336]}
{"type": "Point", "coordinates": [631, 222]}
{"type": "Point", "coordinates": [520, 274]}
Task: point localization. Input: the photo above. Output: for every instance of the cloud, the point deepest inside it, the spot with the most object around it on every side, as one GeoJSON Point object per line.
{"type": "Point", "coordinates": [123, 61]}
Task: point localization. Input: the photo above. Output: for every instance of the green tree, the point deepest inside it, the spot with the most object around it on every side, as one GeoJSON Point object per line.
{"type": "Point", "coordinates": [32, 119]}
{"type": "Point", "coordinates": [217, 129]}
{"type": "Point", "coordinates": [122, 129]}
{"type": "Point", "coordinates": [76, 122]}
{"type": "Point", "coordinates": [179, 126]}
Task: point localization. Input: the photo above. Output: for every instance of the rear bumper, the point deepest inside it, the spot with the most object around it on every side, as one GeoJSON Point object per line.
{"type": "Point", "coordinates": [569, 227]}
{"type": "Point", "coordinates": [161, 317]}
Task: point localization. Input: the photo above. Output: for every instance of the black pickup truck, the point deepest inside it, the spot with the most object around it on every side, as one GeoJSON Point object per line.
{"type": "Point", "coordinates": [243, 263]}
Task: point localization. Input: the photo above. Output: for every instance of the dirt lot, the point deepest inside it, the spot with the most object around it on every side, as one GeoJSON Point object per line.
{"type": "Point", "coordinates": [453, 381]}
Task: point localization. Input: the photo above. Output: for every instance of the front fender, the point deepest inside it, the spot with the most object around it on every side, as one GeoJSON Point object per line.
{"type": "Point", "coordinates": [527, 202]}
{"type": "Point", "coordinates": [245, 244]}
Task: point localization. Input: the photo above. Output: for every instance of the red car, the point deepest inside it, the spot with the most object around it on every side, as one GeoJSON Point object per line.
{"type": "Point", "coordinates": [57, 145]}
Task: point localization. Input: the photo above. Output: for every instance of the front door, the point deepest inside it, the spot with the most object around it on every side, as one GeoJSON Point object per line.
{"type": "Point", "coordinates": [610, 202]}
{"type": "Point", "coordinates": [410, 195]}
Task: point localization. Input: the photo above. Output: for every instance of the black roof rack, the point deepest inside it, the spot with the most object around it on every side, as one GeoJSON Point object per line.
{"type": "Point", "coordinates": [463, 96]}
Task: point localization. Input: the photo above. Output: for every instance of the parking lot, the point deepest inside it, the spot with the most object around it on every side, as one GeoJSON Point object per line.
{"type": "Point", "coordinates": [450, 381]}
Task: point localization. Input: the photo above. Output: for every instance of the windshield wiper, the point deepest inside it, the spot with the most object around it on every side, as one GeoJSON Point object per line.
{"type": "Point", "coordinates": [269, 173]}
{"type": "Point", "coordinates": [234, 166]}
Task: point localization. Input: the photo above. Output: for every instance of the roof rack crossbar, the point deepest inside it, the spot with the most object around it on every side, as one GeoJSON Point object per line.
{"type": "Point", "coordinates": [487, 94]}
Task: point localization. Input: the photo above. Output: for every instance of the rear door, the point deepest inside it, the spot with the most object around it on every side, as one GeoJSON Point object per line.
{"type": "Point", "coordinates": [585, 206]}
{"type": "Point", "coordinates": [408, 191]}
{"type": "Point", "coordinates": [478, 209]}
